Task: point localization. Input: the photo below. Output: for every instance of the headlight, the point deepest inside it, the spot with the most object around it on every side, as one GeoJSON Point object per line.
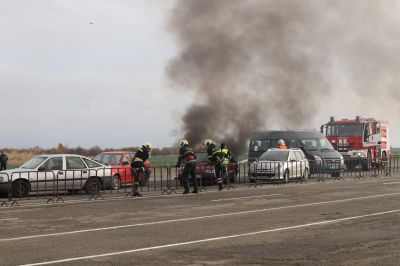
{"type": "Point", "coordinates": [3, 179]}
{"type": "Point", "coordinates": [317, 158]}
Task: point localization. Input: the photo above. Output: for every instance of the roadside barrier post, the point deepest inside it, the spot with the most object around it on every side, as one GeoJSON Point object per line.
{"type": "Point", "coordinates": [169, 190]}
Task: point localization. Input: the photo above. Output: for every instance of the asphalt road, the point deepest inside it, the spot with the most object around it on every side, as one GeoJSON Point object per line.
{"type": "Point", "coordinates": [351, 222]}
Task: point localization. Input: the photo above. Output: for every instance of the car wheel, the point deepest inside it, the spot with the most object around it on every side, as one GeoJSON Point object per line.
{"type": "Point", "coordinates": [286, 176]}
{"type": "Point", "coordinates": [335, 174]}
{"type": "Point", "coordinates": [306, 174]}
{"type": "Point", "coordinates": [20, 188]}
{"type": "Point", "coordinates": [116, 182]}
{"type": "Point", "coordinates": [93, 185]}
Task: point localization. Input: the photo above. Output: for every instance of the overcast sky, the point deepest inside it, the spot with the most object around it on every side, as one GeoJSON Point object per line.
{"type": "Point", "coordinates": [91, 72]}
{"type": "Point", "coordinates": [64, 79]}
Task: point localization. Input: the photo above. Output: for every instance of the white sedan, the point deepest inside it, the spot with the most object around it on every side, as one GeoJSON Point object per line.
{"type": "Point", "coordinates": [55, 173]}
{"type": "Point", "coordinates": [280, 164]}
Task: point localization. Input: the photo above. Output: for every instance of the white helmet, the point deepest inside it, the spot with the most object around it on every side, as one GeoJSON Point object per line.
{"type": "Point", "coordinates": [148, 145]}
{"type": "Point", "coordinates": [208, 142]}
{"type": "Point", "coordinates": [281, 142]}
{"type": "Point", "coordinates": [184, 142]}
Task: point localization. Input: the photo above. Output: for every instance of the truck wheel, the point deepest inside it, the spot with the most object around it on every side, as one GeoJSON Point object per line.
{"type": "Point", "coordinates": [384, 157]}
{"type": "Point", "coordinates": [367, 163]}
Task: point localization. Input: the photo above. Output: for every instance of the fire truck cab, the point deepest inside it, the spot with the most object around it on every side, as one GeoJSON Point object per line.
{"type": "Point", "coordinates": [360, 140]}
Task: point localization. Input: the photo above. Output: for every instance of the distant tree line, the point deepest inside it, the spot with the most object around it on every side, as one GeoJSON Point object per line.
{"type": "Point", "coordinates": [90, 152]}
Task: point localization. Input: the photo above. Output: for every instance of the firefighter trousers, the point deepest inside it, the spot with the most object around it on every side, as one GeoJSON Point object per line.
{"type": "Point", "coordinates": [189, 170]}
{"type": "Point", "coordinates": [220, 172]}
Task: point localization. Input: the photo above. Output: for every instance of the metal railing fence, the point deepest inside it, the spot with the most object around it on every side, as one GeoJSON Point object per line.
{"type": "Point", "coordinates": [92, 184]}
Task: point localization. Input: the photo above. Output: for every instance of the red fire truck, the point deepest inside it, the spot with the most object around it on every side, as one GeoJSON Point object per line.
{"type": "Point", "coordinates": [360, 140]}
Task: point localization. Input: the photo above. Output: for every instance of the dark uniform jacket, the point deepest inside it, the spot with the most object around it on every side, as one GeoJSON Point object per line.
{"type": "Point", "coordinates": [186, 155]}
{"type": "Point", "coordinates": [213, 153]}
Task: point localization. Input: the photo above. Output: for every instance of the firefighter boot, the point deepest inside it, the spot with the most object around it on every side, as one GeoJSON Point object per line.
{"type": "Point", "coordinates": [195, 187]}
{"type": "Point", "coordinates": [220, 187]}
{"type": "Point", "coordinates": [135, 190]}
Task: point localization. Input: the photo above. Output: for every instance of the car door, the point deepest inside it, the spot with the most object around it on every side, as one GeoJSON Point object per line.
{"type": "Point", "coordinates": [47, 174]}
{"type": "Point", "coordinates": [292, 165]}
{"type": "Point", "coordinates": [126, 176]}
{"type": "Point", "coordinates": [76, 173]}
{"type": "Point", "coordinates": [300, 163]}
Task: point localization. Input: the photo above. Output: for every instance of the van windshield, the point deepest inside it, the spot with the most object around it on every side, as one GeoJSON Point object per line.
{"type": "Point", "coordinates": [265, 144]}
{"type": "Point", "coordinates": [262, 144]}
{"type": "Point", "coordinates": [316, 144]}
{"type": "Point", "coordinates": [279, 155]}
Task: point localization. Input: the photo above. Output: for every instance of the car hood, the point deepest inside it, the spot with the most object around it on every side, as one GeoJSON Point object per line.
{"type": "Point", "coordinates": [10, 171]}
{"type": "Point", "coordinates": [326, 154]}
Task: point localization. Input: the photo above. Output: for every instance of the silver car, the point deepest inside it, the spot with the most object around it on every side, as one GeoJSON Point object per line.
{"type": "Point", "coordinates": [280, 164]}
{"type": "Point", "coordinates": [55, 172]}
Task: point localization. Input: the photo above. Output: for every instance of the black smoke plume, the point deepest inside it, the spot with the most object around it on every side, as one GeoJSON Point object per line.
{"type": "Point", "coordinates": [256, 64]}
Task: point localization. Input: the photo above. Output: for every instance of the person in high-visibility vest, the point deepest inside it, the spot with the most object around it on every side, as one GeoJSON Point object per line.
{"type": "Point", "coordinates": [187, 158]}
{"type": "Point", "coordinates": [282, 145]}
{"type": "Point", "coordinates": [224, 159]}
{"type": "Point", "coordinates": [138, 167]}
{"type": "Point", "coordinates": [213, 158]}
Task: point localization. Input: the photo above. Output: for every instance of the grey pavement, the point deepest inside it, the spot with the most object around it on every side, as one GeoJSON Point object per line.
{"type": "Point", "coordinates": [350, 222]}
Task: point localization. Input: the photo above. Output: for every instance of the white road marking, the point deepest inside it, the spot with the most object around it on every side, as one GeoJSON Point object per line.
{"type": "Point", "coordinates": [9, 219]}
{"type": "Point", "coordinates": [262, 196]}
{"type": "Point", "coordinates": [391, 183]}
{"type": "Point", "coordinates": [192, 218]}
{"type": "Point", "coordinates": [215, 238]}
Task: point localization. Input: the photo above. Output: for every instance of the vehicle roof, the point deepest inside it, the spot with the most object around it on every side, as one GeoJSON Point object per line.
{"type": "Point", "coordinates": [289, 149]}
{"type": "Point", "coordinates": [61, 154]}
{"type": "Point", "coordinates": [116, 152]}
{"type": "Point", "coordinates": [287, 134]}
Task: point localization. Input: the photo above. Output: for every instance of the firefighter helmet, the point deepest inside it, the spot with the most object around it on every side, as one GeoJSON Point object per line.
{"type": "Point", "coordinates": [148, 145]}
{"type": "Point", "coordinates": [281, 142]}
{"type": "Point", "coordinates": [184, 142]}
{"type": "Point", "coordinates": [208, 142]}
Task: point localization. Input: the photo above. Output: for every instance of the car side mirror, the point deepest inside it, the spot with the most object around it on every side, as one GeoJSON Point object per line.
{"type": "Point", "coordinates": [42, 168]}
{"type": "Point", "coordinates": [125, 163]}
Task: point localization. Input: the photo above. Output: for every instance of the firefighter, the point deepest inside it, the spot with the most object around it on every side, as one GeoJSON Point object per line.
{"type": "Point", "coordinates": [282, 145]}
{"type": "Point", "coordinates": [138, 167]}
{"type": "Point", "coordinates": [187, 159]}
{"type": "Point", "coordinates": [224, 158]}
{"type": "Point", "coordinates": [213, 158]}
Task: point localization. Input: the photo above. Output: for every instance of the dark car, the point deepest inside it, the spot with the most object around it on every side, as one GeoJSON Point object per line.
{"type": "Point", "coordinates": [323, 158]}
{"type": "Point", "coordinates": [205, 171]}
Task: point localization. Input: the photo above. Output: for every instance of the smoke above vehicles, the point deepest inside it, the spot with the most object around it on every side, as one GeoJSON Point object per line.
{"type": "Point", "coordinates": [256, 63]}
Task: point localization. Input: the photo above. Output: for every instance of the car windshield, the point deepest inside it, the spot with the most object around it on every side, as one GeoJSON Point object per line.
{"type": "Point", "coordinates": [343, 130]}
{"type": "Point", "coordinates": [34, 162]}
{"type": "Point", "coordinates": [108, 158]}
{"type": "Point", "coordinates": [316, 144]}
{"type": "Point", "coordinates": [278, 155]}
{"type": "Point", "coordinates": [202, 156]}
